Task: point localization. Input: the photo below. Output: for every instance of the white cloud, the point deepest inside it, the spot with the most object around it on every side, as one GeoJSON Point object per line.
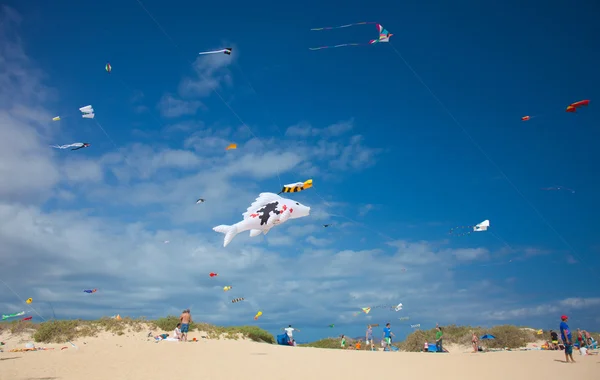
{"type": "Point", "coordinates": [211, 71]}
{"type": "Point", "coordinates": [170, 106]}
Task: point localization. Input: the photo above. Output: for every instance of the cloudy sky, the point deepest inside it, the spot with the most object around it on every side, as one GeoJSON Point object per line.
{"type": "Point", "coordinates": [393, 170]}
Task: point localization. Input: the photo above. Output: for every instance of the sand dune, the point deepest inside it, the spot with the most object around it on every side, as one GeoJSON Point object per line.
{"type": "Point", "coordinates": [134, 356]}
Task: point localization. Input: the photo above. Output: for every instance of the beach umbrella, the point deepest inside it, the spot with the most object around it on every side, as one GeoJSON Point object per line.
{"type": "Point", "coordinates": [487, 336]}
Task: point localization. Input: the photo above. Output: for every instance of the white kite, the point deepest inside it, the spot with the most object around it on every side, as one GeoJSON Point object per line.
{"type": "Point", "coordinates": [398, 307]}
{"type": "Point", "coordinates": [466, 230]}
{"type": "Point", "coordinates": [224, 51]}
{"type": "Point", "coordinates": [483, 226]}
{"type": "Point", "coordinates": [267, 211]}
{"type": "Point", "coordinates": [87, 112]}
{"type": "Point", "coordinates": [74, 146]}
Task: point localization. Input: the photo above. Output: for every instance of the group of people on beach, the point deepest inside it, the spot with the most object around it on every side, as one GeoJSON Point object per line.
{"type": "Point", "coordinates": [584, 340]}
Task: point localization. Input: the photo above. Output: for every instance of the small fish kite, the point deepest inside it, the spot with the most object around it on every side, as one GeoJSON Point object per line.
{"type": "Point", "coordinates": [224, 51]}
{"type": "Point", "coordinates": [266, 212]}
{"type": "Point", "coordinates": [200, 201]}
{"type": "Point", "coordinates": [296, 187]}
{"type": "Point", "coordinates": [331, 326]}
{"type": "Point", "coordinates": [6, 316]}
{"type": "Point", "coordinates": [415, 326]}
{"type": "Point", "coordinates": [525, 118]}
{"type": "Point", "coordinates": [403, 318]}
{"type": "Point", "coordinates": [29, 300]}
{"type": "Point", "coordinates": [236, 300]}
{"type": "Point", "coordinates": [257, 315]}
{"type": "Point", "coordinates": [573, 106]}
{"type": "Point", "coordinates": [212, 274]}
{"type": "Point", "coordinates": [87, 112]}
{"type": "Point", "coordinates": [74, 146]}
{"type": "Point", "coordinates": [108, 67]}
{"type": "Point", "coordinates": [327, 225]}
{"type": "Point", "coordinates": [231, 146]}
{"type": "Point", "coordinates": [27, 319]}
{"type": "Point", "coordinates": [227, 288]}
{"type": "Point", "coordinates": [384, 36]}
{"type": "Point", "coordinates": [90, 291]}
{"type": "Point", "coordinates": [483, 226]}
{"type": "Point", "coordinates": [56, 118]}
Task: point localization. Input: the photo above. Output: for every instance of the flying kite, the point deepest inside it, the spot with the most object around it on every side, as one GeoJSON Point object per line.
{"type": "Point", "coordinates": [231, 146]}
{"type": "Point", "coordinates": [6, 316]}
{"type": "Point", "coordinates": [235, 300]}
{"type": "Point", "coordinates": [90, 291]}
{"type": "Point", "coordinates": [391, 307]}
{"type": "Point", "coordinates": [415, 326]}
{"type": "Point", "coordinates": [296, 187]}
{"type": "Point", "coordinates": [87, 112]}
{"type": "Point", "coordinates": [224, 51]}
{"type": "Point", "coordinates": [331, 326]}
{"type": "Point", "coordinates": [326, 225]}
{"type": "Point", "coordinates": [74, 146]}
{"type": "Point", "coordinates": [166, 242]}
{"type": "Point", "coordinates": [56, 118]}
{"type": "Point", "coordinates": [403, 318]}
{"type": "Point", "coordinates": [108, 67]}
{"type": "Point", "coordinates": [212, 274]}
{"type": "Point", "coordinates": [29, 300]}
{"type": "Point", "coordinates": [200, 201]}
{"type": "Point", "coordinates": [573, 106]}
{"type": "Point", "coordinates": [27, 319]}
{"type": "Point", "coordinates": [557, 188]}
{"type": "Point", "coordinates": [525, 118]}
{"type": "Point", "coordinates": [366, 310]}
{"type": "Point", "coordinates": [267, 211]}
{"type": "Point", "coordinates": [257, 315]}
{"type": "Point", "coordinates": [226, 288]}
{"type": "Point", "coordinates": [384, 36]}
{"type": "Point", "coordinates": [483, 226]}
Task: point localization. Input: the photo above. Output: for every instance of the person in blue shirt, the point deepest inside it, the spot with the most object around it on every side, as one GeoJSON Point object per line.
{"type": "Point", "coordinates": [565, 334]}
{"type": "Point", "coordinates": [387, 335]}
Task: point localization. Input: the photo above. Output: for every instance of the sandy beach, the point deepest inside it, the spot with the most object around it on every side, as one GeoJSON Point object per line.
{"type": "Point", "coordinates": [135, 356]}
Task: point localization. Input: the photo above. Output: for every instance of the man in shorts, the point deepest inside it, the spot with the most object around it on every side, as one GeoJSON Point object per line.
{"type": "Point", "coordinates": [387, 335]}
{"type": "Point", "coordinates": [565, 334]}
{"type": "Point", "coordinates": [185, 318]}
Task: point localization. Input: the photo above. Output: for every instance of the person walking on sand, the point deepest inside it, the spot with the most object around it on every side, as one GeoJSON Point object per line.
{"type": "Point", "coordinates": [185, 318]}
{"type": "Point", "coordinates": [474, 341]}
{"type": "Point", "coordinates": [439, 335]}
{"type": "Point", "coordinates": [565, 334]}
{"type": "Point", "coordinates": [369, 337]}
{"type": "Point", "coordinates": [387, 336]}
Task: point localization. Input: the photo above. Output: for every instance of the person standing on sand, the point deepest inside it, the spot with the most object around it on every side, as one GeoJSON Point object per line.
{"type": "Point", "coordinates": [185, 319]}
{"type": "Point", "coordinates": [565, 334]}
{"type": "Point", "coordinates": [387, 335]}
{"type": "Point", "coordinates": [439, 335]}
{"type": "Point", "coordinates": [369, 337]}
{"type": "Point", "coordinates": [290, 332]}
{"type": "Point", "coordinates": [474, 341]}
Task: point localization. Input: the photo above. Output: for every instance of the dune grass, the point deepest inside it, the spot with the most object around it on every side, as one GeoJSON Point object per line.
{"type": "Point", "coordinates": [61, 331]}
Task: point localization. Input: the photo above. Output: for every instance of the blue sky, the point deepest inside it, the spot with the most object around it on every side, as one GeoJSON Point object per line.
{"type": "Point", "coordinates": [392, 170]}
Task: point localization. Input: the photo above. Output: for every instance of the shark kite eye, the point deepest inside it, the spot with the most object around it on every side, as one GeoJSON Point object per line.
{"type": "Point", "coordinates": [298, 203]}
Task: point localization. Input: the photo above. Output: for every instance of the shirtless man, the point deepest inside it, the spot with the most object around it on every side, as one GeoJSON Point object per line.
{"type": "Point", "coordinates": [185, 318]}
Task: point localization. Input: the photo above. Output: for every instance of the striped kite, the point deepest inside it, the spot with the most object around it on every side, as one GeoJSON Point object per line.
{"type": "Point", "coordinates": [224, 51]}
{"type": "Point", "coordinates": [384, 36]}
{"type": "Point", "coordinates": [296, 187]}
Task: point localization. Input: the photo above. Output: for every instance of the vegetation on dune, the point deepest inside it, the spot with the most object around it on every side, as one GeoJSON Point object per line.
{"type": "Point", "coordinates": [61, 331]}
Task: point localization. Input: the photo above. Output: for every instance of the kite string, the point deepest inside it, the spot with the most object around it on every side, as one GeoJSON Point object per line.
{"type": "Point", "coordinates": [491, 161]}
{"type": "Point", "coordinates": [213, 89]}
{"type": "Point", "coordinates": [32, 308]}
{"type": "Point", "coordinates": [111, 140]}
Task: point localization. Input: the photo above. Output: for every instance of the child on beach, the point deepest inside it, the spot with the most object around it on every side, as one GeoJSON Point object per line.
{"type": "Point", "coordinates": [177, 332]}
{"type": "Point", "coordinates": [474, 341]}
{"type": "Point", "coordinates": [343, 342]}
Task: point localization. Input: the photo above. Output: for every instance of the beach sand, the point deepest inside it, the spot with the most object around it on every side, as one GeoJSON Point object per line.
{"type": "Point", "coordinates": [134, 356]}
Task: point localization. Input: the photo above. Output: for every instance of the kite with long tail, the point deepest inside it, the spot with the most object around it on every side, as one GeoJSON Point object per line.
{"type": "Point", "coordinates": [384, 35]}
